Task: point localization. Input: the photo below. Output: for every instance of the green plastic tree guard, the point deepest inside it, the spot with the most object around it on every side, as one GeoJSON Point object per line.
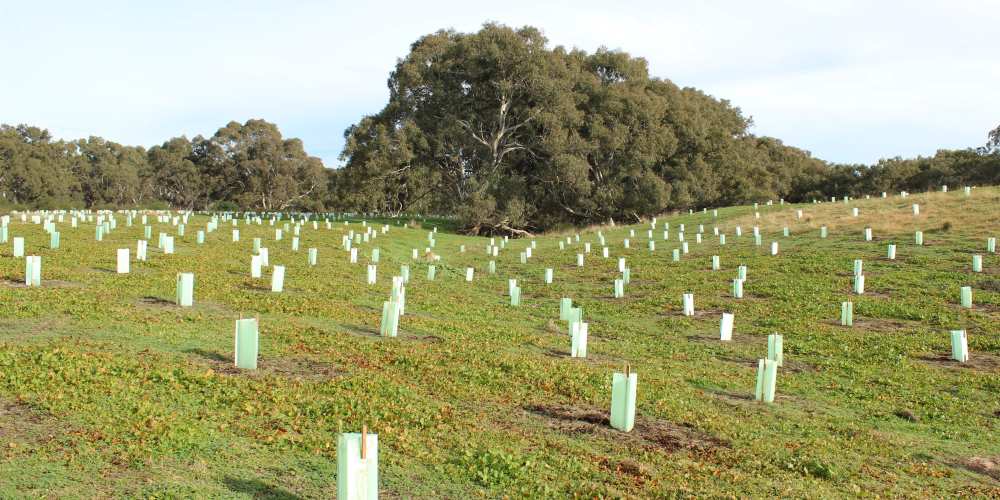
{"type": "Point", "coordinates": [54, 240]}
{"type": "Point", "coordinates": [959, 346]}
{"type": "Point", "coordinates": [575, 314]}
{"type": "Point", "coordinates": [977, 263]}
{"type": "Point", "coordinates": [623, 399]}
{"type": "Point", "coordinates": [122, 261]}
{"type": "Point", "coordinates": [278, 279]}
{"type": "Point", "coordinates": [565, 304]}
{"type": "Point", "coordinates": [256, 266]}
{"type": "Point", "coordinates": [741, 272]}
{"type": "Point", "coordinates": [357, 466]}
{"type": "Point", "coordinates": [313, 256]}
{"type": "Point", "coordinates": [676, 255]}
{"type": "Point", "coordinates": [141, 250]}
{"type": "Point", "coordinates": [687, 300]}
{"type": "Point", "coordinates": [737, 288]}
{"type": "Point", "coordinates": [389, 327]}
{"type": "Point", "coordinates": [578, 339]}
{"type": "Point", "coordinates": [431, 271]}
{"type": "Point", "coordinates": [515, 296]}
{"type": "Point", "coordinates": [548, 276]}
{"type": "Point", "coordinates": [918, 238]}
{"type": "Point", "coordinates": [859, 284]}
{"type": "Point", "coordinates": [619, 289]}
{"type": "Point", "coordinates": [767, 376]}
{"type": "Point", "coordinates": [726, 327]}
{"type": "Point", "coordinates": [823, 232]}
{"type": "Point", "coordinates": [185, 289]}
{"type": "Point", "coordinates": [966, 296]}
{"type": "Point", "coordinates": [33, 270]}
{"type": "Point", "coordinates": [891, 254]}
{"type": "Point", "coordinates": [715, 263]}
{"type": "Point", "coordinates": [246, 343]}
{"type": "Point", "coordinates": [991, 245]}
{"type": "Point", "coordinates": [847, 313]}
{"type": "Point", "coordinates": [775, 348]}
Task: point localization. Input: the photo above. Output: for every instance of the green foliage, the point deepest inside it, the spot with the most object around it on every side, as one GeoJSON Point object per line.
{"type": "Point", "coordinates": [511, 135]}
{"type": "Point", "coordinates": [108, 389]}
{"type": "Point", "coordinates": [495, 128]}
{"type": "Point", "coordinates": [249, 166]}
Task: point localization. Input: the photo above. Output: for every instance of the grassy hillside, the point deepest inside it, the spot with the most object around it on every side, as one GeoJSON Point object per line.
{"type": "Point", "coordinates": [108, 389]}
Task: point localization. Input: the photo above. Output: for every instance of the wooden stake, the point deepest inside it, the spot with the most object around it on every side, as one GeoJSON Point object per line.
{"type": "Point", "coordinates": [364, 442]}
{"type": "Point", "coordinates": [628, 369]}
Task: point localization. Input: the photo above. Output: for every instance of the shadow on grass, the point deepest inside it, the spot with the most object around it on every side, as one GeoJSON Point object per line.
{"type": "Point", "coordinates": [215, 356]}
{"type": "Point", "coordinates": [258, 489]}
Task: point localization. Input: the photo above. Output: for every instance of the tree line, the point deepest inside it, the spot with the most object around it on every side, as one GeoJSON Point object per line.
{"type": "Point", "coordinates": [494, 127]}
{"type": "Point", "coordinates": [246, 166]}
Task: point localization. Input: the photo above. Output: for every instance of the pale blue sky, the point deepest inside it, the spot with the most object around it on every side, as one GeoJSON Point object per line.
{"type": "Point", "coordinates": [851, 81]}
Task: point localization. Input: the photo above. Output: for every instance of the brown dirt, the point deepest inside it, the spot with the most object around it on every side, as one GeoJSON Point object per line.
{"type": "Point", "coordinates": [19, 424]}
{"type": "Point", "coordinates": [698, 313]}
{"type": "Point", "coordinates": [46, 283]}
{"type": "Point", "coordinates": [864, 323]}
{"type": "Point", "coordinates": [987, 466]}
{"type": "Point", "coordinates": [978, 361]}
{"type": "Point", "coordinates": [291, 368]}
{"type": "Point", "coordinates": [879, 325]}
{"type": "Point", "coordinates": [713, 338]}
{"type": "Point", "coordinates": [648, 432]}
{"type": "Point", "coordinates": [787, 365]}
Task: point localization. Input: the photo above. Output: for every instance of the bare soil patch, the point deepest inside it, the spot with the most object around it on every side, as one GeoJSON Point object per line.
{"type": "Point", "coordinates": [698, 313]}
{"type": "Point", "coordinates": [46, 283]}
{"type": "Point", "coordinates": [987, 466]}
{"type": "Point", "coordinates": [713, 339]}
{"type": "Point", "coordinates": [648, 432]}
{"type": "Point", "coordinates": [978, 361]}
{"type": "Point", "coordinates": [20, 425]}
{"type": "Point", "coordinates": [291, 368]}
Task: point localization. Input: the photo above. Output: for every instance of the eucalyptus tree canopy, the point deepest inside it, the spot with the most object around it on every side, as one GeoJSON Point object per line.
{"type": "Point", "coordinates": [515, 136]}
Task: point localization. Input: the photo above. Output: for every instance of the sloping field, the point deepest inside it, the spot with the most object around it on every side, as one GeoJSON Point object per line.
{"type": "Point", "coordinates": [109, 389]}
